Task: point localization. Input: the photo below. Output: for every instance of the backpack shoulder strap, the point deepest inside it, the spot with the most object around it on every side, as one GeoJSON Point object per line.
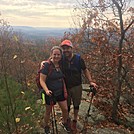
{"type": "Point", "coordinates": [77, 62]}
{"type": "Point", "coordinates": [50, 69]}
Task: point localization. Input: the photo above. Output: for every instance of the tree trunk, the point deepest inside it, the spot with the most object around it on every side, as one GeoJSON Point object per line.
{"type": "Point", "coordinates": [119, 87]}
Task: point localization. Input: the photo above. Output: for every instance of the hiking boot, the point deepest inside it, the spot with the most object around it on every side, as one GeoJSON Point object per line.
{"type": "Point", "coordinates": [47, 130]}
{"type": "Point", "coordinates": [74, 124]}
{"type": "Point", "coordinates": [65, 126]}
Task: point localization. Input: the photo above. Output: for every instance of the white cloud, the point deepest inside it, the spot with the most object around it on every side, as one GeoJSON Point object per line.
{"type": "Point", "coordinates": [32, 12]}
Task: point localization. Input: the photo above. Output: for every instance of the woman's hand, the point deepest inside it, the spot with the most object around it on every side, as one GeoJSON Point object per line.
{"type": "Point", "coordinates": [49, 92]}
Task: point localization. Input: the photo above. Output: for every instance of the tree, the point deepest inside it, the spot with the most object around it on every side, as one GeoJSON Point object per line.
{"type": "Point", "coordinates": [119, 5]}
{"type": "Point", "coordinates": [18, 108]}
{"type": "Point", "coordinates": [107, 32]}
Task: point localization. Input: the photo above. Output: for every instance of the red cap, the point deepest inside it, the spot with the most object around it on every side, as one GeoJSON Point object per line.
{"type": "Point", "coordinates": [66, 43]}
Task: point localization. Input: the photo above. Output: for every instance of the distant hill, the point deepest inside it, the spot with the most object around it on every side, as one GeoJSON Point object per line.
{"type": "Point", "coordinates": [40, 32]}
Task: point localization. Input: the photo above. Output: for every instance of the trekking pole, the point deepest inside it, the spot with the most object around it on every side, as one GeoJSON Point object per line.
{"type": "Point", "coordinates": [54, 121]}
{"type": "Point", "coordinates": [93, 90]}
{"type": "Point", "coordinates": [84, 130]}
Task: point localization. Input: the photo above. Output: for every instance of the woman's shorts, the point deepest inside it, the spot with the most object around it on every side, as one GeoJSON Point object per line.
{"type": "Point", "coordinates": [51, 100]}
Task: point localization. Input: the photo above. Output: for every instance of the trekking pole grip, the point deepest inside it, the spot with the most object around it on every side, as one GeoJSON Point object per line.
{"type": "Point", "coordinates": [93, 90]}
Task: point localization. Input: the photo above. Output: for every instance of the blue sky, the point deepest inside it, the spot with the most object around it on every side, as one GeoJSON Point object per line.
{"type": "Point", "coordinates": [38, 13]}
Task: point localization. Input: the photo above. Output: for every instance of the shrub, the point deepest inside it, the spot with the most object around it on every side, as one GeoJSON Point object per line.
{"type": "Point", "coordinates": [18, 110]}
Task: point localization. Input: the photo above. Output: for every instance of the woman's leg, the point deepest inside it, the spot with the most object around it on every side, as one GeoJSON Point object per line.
{"type": "Point", "coordinates": [47, 114]}
{"type": "Point", "coordinates": [64, 109]}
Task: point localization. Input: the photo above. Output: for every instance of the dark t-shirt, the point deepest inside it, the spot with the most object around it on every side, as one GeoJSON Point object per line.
{"type": "Point", "coordinates": [72, 70]}
{"type": "Point", "coordinates": [54, 79]}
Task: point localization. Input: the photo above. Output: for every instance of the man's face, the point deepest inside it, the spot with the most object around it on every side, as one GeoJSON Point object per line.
{"type": "Point", "coordinates": [67, 51]}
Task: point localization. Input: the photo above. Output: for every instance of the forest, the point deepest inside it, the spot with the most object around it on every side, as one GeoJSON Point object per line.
{"type": "Point", "coordinates": [105, 40]}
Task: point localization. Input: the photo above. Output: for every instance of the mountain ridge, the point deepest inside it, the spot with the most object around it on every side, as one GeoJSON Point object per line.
{"type": "Point", "coordinates": [40, 32]}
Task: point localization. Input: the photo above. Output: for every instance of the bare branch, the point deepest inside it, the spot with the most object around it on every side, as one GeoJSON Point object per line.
{"type": "Point", "coordinates": [129, 26]}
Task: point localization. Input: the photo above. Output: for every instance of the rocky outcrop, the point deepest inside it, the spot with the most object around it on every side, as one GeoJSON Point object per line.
{"type": "Point", "coordinates": [94, 120]}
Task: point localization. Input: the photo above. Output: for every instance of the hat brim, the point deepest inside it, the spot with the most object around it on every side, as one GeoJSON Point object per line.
{"type": "Point", "coordinates": [66, 45]}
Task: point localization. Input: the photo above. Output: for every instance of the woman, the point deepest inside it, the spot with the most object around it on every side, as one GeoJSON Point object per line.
{"type": "Point", "coordinates": [54, 87]}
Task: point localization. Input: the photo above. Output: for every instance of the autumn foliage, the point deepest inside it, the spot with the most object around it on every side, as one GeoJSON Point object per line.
{"type": "Point", "coordinates": [106, 44]}
{"type": "Point", "coordinates": [105, 40]}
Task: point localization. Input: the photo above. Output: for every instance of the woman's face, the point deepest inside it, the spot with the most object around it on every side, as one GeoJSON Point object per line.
{"type": "Point", "coordinates": [56, 55]}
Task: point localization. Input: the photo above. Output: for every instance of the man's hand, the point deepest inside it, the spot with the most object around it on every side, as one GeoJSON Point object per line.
{"type": "Point", "coordinates": [42, 64]}
{"type": "Point", "coordinates": [92, 89]}
{"type": "Point", "coordinates": [94, 84]}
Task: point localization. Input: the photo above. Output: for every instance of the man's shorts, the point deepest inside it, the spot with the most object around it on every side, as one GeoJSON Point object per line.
{"type": "Point", "coordinates": [51, 100]}
{"type": "Point", "coordinates": [74, 95]}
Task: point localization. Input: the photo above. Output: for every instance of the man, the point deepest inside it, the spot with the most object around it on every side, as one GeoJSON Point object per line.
{"type": "Point", "coordinates": [73, 66]}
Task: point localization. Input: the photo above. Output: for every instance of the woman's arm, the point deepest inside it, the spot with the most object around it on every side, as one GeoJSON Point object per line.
{"type": "Point", "coordinates": [43, 84]}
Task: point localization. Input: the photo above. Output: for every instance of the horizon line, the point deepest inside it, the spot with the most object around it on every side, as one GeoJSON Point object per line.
{"type": "Point", "coordinates": [42, 27]}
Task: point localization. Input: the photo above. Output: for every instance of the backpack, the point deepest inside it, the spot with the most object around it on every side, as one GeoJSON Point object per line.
{"type": "Point", "coordinates": [38, 74]}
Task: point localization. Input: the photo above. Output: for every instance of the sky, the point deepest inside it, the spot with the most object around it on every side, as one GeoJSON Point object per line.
{"type": "Point", "coordinates": [38, 13]}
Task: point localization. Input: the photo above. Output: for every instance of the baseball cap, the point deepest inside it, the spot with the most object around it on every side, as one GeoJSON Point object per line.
{"type": "Point", "coordinates": [66, 43]}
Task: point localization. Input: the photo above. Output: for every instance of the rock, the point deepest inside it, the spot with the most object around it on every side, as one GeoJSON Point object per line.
{"type": "Point", "coordinates": [39, 101]}
{"type": "Point", "coordinates": [95, 118]}
{"type": "Point", "coordinates": [109, 131]}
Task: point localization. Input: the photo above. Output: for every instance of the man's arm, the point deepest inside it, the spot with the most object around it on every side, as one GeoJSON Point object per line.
{"type": "Point", "coordinates": [88, 76]}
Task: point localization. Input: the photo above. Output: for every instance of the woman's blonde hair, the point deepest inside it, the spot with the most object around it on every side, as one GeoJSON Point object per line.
{"type": "Point", "coordinates": [53, 48]}
{"type": "Point", "coordinates": [56, 47]}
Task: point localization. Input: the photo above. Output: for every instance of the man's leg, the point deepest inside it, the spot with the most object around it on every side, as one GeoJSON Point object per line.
{"type": "Point", "coordinates": [76, 98]}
